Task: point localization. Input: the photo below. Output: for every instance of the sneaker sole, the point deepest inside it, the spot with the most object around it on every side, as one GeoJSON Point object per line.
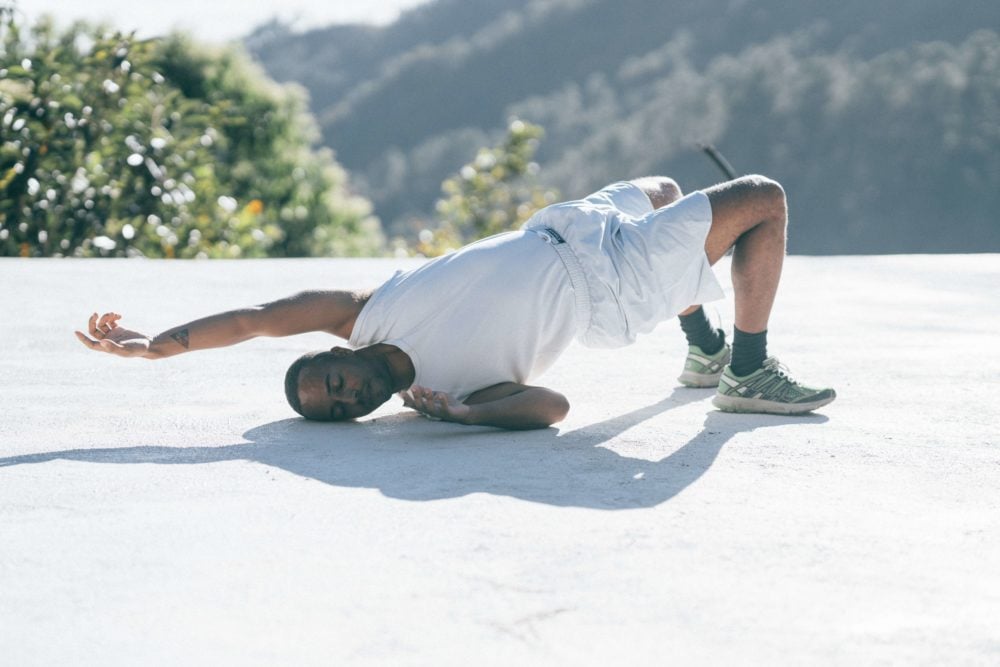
{"type": "Point", "coordinates": [740, 404]}
{"type": "Point", "coordinates": [699, 380]}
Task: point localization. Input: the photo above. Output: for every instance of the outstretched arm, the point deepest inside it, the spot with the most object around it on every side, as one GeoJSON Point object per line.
{"type": "Point", "coordinates": [506, 405]}
{"type": "Point", "coordinates": [331, 311]}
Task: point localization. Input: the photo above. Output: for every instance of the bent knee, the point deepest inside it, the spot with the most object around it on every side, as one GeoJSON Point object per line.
{"type": "Point", "coordinates": [767, 192]}
{"type": "Point", "coordinates": [558, 409]}
{"type": "Point", "coordinates": [661, 190]}
{"type": "Point", "coordinates": [670, 190]}
{"type": "Point", "coordinates": [766, 186]}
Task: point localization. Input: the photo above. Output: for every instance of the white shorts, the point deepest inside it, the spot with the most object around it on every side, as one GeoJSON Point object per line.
{"type": "Point", "coordinates": [632, 267]}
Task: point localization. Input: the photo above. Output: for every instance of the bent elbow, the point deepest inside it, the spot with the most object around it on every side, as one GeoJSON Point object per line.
{"type": "Point", "coordinates": [546, 411]}
{"type": "Point", "coordinates": [557, 409]}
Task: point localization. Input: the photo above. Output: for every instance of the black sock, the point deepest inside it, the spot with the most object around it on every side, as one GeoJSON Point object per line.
{"type": "Point", "coordinates": [698, 331]}
{"type": "Point", "coordinates": [749, 351]}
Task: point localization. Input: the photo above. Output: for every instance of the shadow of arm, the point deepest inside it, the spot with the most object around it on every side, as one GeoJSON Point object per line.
{"type": "Point", "coordinates": [147, 454]}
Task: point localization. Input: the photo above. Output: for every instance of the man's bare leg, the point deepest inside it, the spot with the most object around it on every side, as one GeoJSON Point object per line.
{"type": "Point", "coordinates": [707, 351]}
{"type": "Point", "coordinates": [750, 215]}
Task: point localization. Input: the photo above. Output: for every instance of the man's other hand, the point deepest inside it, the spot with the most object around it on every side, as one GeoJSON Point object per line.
{"type": "Point", "coordinates": [435, 404]}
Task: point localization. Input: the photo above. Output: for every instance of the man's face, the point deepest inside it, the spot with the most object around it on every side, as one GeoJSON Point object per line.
{"type": "Point", "coordinates": [342, 387]}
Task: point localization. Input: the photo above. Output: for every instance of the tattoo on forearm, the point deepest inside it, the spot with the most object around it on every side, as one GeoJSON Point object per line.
{"type": "Point", "coordinates": [182, 338]}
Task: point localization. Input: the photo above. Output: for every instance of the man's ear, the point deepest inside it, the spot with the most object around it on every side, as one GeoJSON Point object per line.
{"type": "Point", "coordinates": [341, 351]}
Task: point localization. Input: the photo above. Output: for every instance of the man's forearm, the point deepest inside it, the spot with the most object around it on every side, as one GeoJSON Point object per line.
{"type": "Point", "coordinates": [529, 409]}
{"type": "Point", "coordinates": [219, 330]}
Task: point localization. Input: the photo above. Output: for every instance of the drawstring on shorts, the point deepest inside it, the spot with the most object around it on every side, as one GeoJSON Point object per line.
{"type": "Point", "coordinates": [581, 291]}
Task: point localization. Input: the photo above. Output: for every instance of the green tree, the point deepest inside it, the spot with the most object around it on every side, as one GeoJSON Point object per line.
{"type": "Point", "coordinates": [116, 146]}
{"type": "Point", "coordinates": [496, 192]}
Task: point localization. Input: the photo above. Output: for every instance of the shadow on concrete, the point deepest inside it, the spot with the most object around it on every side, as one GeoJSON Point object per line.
{"type": "Point", "coordinates": [408, 457]}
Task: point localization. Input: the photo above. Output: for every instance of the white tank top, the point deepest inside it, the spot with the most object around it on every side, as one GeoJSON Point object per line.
{"type": "Point", "coordinates": [498, 310]}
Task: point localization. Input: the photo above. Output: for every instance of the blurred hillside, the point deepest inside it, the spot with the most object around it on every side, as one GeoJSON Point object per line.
{"type": "Point", "coordinates": [882, 118]}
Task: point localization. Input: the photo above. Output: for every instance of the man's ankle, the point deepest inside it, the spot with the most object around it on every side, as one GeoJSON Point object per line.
{"type": "Point", "coordinates": [698, 331]}
{"type": "Point", "coordinates": [749, 352]}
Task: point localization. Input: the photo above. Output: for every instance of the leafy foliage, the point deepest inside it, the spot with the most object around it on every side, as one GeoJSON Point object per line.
{"type": "Point", "coordinates": [496, 192]}
{"type": "Point", "coordinates": [116, 146]}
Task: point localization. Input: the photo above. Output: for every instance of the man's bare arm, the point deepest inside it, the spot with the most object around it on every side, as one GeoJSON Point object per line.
{"type": "Point", "coordinates": [330, 311]}
{"type": "Point", "coordinates": [506, 405]}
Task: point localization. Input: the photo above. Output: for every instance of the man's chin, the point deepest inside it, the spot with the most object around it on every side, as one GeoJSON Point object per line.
{"type": "Point", "coordinates": [371, 405]}
{"type": "Point", "coordinates": [376, 403]}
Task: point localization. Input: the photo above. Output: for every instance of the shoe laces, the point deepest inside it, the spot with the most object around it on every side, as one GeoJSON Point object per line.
{"type": "Point", "coordinates": [772, 364]}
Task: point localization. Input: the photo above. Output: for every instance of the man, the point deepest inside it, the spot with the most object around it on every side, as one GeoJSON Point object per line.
{"type": "Point", "coordinates": [461, 336]}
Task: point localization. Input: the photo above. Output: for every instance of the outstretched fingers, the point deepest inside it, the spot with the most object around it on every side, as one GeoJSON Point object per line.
{"type": "Point", "coordinates": [101, 344]}
{"type": "Point", "coordinates": [87, 340]}
{"type": "Point", "coordinates": [107, 322]}
{"type": "Point", "coordinates": [99, 327]}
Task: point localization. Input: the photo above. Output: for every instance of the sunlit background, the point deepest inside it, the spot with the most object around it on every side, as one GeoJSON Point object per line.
{"type": "Point", "coordinates": [218, 20]}
{"type": "Point", "coordinates": [232, 129]}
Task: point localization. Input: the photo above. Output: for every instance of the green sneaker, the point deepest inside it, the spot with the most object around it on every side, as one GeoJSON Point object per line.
{"type": "Point", "coordinates": [768, 389]}
{"type": "Point", "coordinates": [704, 370]}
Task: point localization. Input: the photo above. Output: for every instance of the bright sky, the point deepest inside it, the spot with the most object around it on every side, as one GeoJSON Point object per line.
{"type": "Point", "coordinates": [216, 20]}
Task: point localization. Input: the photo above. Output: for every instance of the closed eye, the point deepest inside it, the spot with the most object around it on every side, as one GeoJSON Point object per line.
{"type": "Point", "coordinates": [330, 388]}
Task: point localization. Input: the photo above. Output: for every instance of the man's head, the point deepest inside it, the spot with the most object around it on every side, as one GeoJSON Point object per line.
{"type": "Point", "coordinates": [337, 385]}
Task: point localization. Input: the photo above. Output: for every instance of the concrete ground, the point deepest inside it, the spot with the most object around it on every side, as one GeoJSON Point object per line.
{"type": "Point", "coordinates": [176, 512]}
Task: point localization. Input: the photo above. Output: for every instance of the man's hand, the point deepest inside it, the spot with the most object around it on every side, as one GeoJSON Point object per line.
{"type": "Point", "coordinates": [107, 336]}
{"type": "Point", "coordinates": [435, 404]}
{"type": "Point", "coordinates": [505, 405]}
